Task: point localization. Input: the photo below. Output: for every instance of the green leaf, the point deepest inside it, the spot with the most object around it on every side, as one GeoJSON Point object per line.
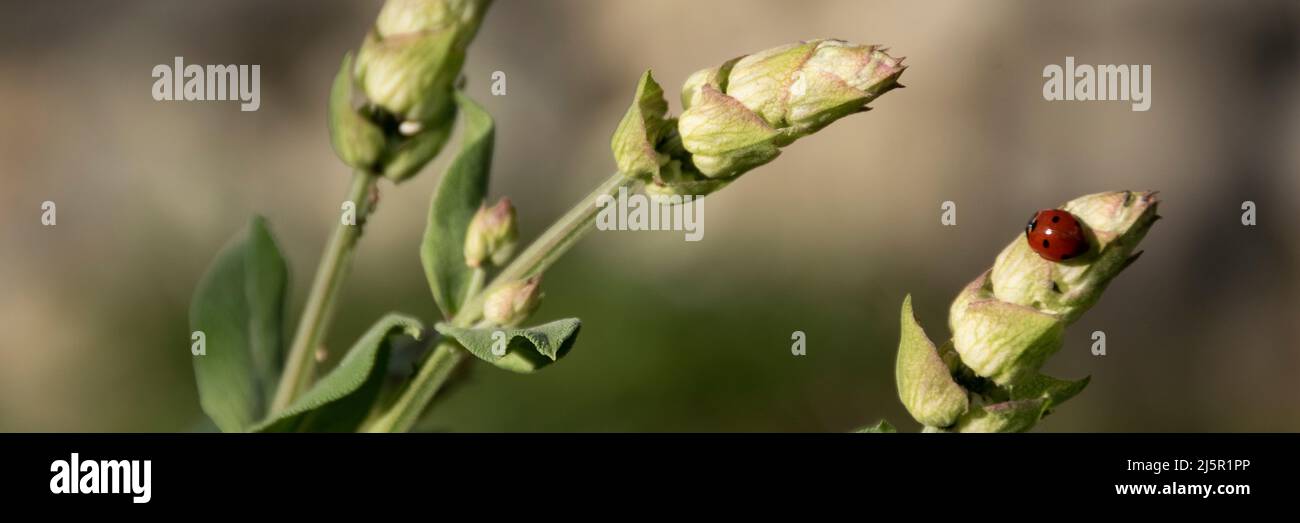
{"type": "Point", "coordinates": [407, 157]}
{"type": "Point", "coordinates": [881, 426]}
{"type": "Point", "coordinates": [1008, 416]}
{"type": "Point", "coordinates": [357, 140]}
{"type": "Point", "coordinates": [526, 350]}
{"type": "Point", "coordinates": [458, 197]}
{"type": "Point", "coordinates": [342, 399]}
{"type": "Point", "coordinates": [925, 383]}
{"type": "Point", "coordinates": [239, 307]}
{"type": "Point", "coordinates": [1054, 390]}
{"type": "Point", "coordinates": [634, 141]}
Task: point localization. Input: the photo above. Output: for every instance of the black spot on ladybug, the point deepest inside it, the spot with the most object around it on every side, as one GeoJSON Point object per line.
{"type": "Point", "coordinates": [1046, 244]}
{"type": "Point", "coordinates": [1056, 219]}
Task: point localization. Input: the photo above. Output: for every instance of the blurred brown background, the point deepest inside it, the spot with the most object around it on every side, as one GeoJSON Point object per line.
{"type": "Point", "coordinates": [678, 336]}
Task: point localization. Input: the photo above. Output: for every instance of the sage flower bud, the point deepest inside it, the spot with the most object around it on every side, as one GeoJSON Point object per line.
{"type": "Point", "coordinates": [739, 115]}
{"type": "Point", "coordinates": [410, 60]}
{"type": "Point", "coordinates": [492, 235]}
{"type": "Point", "coordinates": [1008, 321]}
{"type": "Point", "coordinates": [406, 74]}
{"type": "Point", "coordinates": [513, 303]}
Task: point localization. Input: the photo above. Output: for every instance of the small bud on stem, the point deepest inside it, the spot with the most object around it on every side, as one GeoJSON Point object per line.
{"type": "Point", "coordinates": [513, 303]}
{"type": "Point", "coordinates": [492, 235]}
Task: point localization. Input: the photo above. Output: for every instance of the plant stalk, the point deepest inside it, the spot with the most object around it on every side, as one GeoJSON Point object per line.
{"type": "Point", "coordinates": [318, 312]}
{"type": "Point", "coordinates": [540, 255]}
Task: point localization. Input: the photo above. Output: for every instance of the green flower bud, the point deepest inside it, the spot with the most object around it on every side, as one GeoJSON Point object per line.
{"type": "Point", "coordinates": [407, 71]}
{"type": "Point", "coordinates": [738, 116]}
{"type": "Point", "coordinates": [513, 303]}
{"type": "Point", "coordinates": [999, 340]}
{"type": "Point", "coordinates": [492, 235]}
{"type": "Point", "coordinates": [1008, 321]}
{"type": "Point", "coordinates": [410, 61]}
{"type": "Point", "coordinates": [1113, 222]}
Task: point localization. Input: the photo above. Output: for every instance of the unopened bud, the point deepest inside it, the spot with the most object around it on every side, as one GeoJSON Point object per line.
{"type": "Point", "coordinates": [492, 235]}
{"type": "Point", "coordinates": [1008, 321]}
{"type": "Point", "coordinates": [738, 115]}
{"type": "Point", "coordinates": [409, 62]}
{"type": "Point", "coordinates": [513, 303]}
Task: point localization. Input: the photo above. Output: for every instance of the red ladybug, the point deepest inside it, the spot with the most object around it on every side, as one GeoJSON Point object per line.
{"type": "Point", "coordinates": [1056, 235]}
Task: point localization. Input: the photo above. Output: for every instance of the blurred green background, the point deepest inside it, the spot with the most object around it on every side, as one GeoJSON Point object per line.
{"type": "Point", "coordinates": [677, 336]}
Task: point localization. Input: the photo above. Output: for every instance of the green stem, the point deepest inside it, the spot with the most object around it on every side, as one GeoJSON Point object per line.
{"type": "Point", "coordinates": [540, 255]}
{"type": "Point", "coordinates": [543, 252]}
{"type": "Point", "coordinates": [319, 311]}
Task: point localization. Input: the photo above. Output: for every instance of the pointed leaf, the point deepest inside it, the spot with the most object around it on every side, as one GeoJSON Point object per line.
{"type": "Point", "coordinates": [925, 383]}
{"type": "Point", "coordinates": [238, 306]}
{"type": "Point", "coordinates": [1008, 416]}
{"type": "Point", "coordinates": [460, 193]}
{"type": "Point", "coordinates": [639, 132]}
{"type": "Point", "coordinates": [357, 141]}
{"type": "Point", "coordinates": [341, 399]}
{"type": "Point", "coordinates": [1055, 391]}
{"type": "Point", "coordinates": [526, 350]}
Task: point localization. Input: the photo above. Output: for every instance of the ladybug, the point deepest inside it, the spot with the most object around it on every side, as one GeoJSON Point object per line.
{"type": "Point", "coordinates": [1056, 235]}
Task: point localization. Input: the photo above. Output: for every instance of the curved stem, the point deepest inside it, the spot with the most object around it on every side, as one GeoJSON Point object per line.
{"type": "Point", "coordinates": [319, 310]}
{"type": "Point", "coordinates": [540, 255]}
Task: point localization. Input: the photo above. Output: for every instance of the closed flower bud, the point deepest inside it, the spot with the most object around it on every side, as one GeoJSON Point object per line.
{"type": "Point", "coordinates": [1113, 222]}
{"type": "Point", "coordinates": [406, 73]}
{"type": "Point", "coordinates": [738, 116]}
{"type": "Point", "coordinates": [1007, 322]}
{"type": "Point", "coordinates": [409, 62]}
{"type": "Point", "coordinates": [492, 235]}
{"type": "Point", "coordinates": [513, 303]}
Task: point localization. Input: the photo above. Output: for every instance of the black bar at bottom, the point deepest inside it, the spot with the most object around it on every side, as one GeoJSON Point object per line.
{"type": "Point", "coordinates": [916, 472]}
